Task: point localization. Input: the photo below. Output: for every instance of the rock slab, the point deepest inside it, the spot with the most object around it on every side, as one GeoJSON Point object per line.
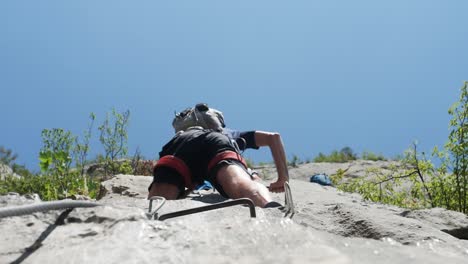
{"type": "Point", "coordinates": [329, 227]}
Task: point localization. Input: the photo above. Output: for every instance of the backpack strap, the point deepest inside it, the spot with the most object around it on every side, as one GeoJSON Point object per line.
{"type": "Point", "coordinates": [225, 155]}
{"type": "Point", "coordinates": [178, 165]}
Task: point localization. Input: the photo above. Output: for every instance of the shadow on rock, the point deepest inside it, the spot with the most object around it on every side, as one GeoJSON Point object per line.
{"type": "Point", "coordinates": [211, 198]}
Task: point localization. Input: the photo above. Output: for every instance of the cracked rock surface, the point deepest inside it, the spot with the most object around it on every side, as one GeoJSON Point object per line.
{"type": "Point", "coordinates": [329, 227]}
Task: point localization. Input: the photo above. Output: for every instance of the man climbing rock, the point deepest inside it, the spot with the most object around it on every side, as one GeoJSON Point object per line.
{"type": "Point", "coordinates": [209, 152]}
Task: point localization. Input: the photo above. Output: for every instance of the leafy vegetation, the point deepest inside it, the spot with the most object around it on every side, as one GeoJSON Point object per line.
{"type": "Point", "coordinates": [82, 147]}
{"type": "Point", "coordinates": [418, 183]}
{"type": "Point", "coordinates": [52, 186]}
{"type": "Point", "coordinates": [114, 140]}
{"type": "Point", "coordinates": [346, 154]}
{"type": "Point", "coordinates": [415, 183]}
{"type": "Point", "coordinates": [405, 185]}
{"type": "Point", "coordinates": [55, 155]}
{"type": "Point", "coordinates": [367, 155]}
{"type": "Point", "coordinates": [7, 156]}
{"type": "Point", "coordinates": [60, 150]}
{"type": "Point", "coordinates": [455, 155]}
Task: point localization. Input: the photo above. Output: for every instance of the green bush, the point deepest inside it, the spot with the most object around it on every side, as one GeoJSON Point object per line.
{"type": "Point", "coordinates": [51, 187]}
{"type": "Point", "coordinates": [367, 155]}
{"type": "Point", "coordinates": [7, 156]}
{"type": "Point", "coordinates": [455, 151]}
{"type": "Point", "coordinates": [21, 170]}
{"type": "Point", "coordinates": [124, 167]}
{"type": "Point", "coordinates": [344, 155]}
{"type": "Point", "coordinates": [388, 188]}
{"type": "Point", "coordinates": [414, 184]}
{"type": "Point", "coordinates": [58, 180]}
{"type": "Point", "coordinates": [418, 183]}
{"type": "Point", "coordinates": [55, 155]}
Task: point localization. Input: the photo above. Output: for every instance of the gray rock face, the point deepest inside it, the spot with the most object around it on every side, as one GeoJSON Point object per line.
{"type": "Point", "coordinates": [127, 186]}
{"type": "Point", "coordinates": [453, 223]}
{"type": "Point", "coordinates": [329, 227]}
{"type": "Point", "coordinates": [354, 169]}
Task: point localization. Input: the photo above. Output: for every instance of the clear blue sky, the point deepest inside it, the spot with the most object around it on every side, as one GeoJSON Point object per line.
{"type": "Point", "coordinates": [372, 75]}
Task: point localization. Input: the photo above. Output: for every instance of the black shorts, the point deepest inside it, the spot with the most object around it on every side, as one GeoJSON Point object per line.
{"type": "Point", "coordinates": [196, 148]}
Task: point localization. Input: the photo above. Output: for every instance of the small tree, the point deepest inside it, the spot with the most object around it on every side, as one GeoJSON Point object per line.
{"type": "Point", "coordinates": [81, 151]}
{"type": "Point", "coordinates": [348, 154]}
{"type": "Point", "coordinates": [55, 160]}
{"type": "Point", "coordinates": [457, 147]}
{"type": "Point", "coordinates": [114, 138]}
{"type": "Point", "coordinates": [82, 148]}
{"type": "Point", "coordinates": [388, 187]}
{"type": "Point", "coordinates": [429, 186]}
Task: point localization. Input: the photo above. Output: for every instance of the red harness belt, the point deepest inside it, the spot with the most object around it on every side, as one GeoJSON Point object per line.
{"type": "Point", "coordinates": [225, 155]}
{"type": "Point", "coordinates": [182, 168]}
{"type": "Point", "coordinates": [178, 165]}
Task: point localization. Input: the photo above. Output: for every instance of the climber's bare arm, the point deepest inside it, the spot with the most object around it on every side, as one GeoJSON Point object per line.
{"type": "Point", "coordinates": [274, 142]}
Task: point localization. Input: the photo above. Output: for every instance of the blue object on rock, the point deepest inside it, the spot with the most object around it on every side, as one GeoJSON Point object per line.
{"type": "Point", "coordinates": [206, 185]}
{"type": "Point", "coordinates": [322, 179]}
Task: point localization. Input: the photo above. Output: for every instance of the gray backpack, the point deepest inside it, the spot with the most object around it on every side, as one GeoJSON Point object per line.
{"type": "Point", "coordinates": [200, 115]}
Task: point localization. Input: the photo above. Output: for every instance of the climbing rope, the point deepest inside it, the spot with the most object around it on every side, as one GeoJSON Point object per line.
{"type": "Point", "coordinates": [44, 206]}
{"type": "Point", "coordinates": [152, 214]}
